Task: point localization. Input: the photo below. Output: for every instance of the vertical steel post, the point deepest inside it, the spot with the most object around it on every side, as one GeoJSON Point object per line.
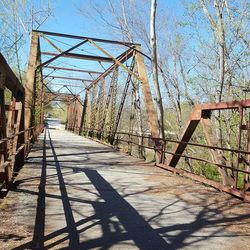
{"type": "Point", "coordinates": [93, 112]}
{"type": "Point", "coordinates": [3, 146]}
{"type": "Point", "coordinates": [107, 104]}
{"type": "Point", "coordinates": [241, 110]}
{"type": "Point", "coordinates": [247, 179]}
{"type": "Point", "coordinates": [112, 113]}
{"type": "Point", "coordinates": [101, 103]}
{"type": "Point", "coordinates": [131, 121]}
{"type": "Point", "coordinates": [30, 83]}
{"type": "Point", "coordinates": [150, 109]}
{"type": "Point", "coordinates": [84, 111]}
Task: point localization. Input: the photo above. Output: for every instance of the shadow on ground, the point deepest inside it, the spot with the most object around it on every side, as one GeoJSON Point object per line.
{"type": "Point", "coordinates": [118, 220]}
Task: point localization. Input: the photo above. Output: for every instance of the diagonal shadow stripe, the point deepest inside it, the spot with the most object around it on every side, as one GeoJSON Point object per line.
{"type": "Point", "coordinates": [144, 236]}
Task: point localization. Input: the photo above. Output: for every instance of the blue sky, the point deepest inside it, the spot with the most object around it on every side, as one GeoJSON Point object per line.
{"type": "Point", "coordinates": [67, 18]}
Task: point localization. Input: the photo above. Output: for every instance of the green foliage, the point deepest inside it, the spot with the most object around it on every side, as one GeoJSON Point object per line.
{"type": "Point", "coordinates": [181, 24]}
{"type": "Point", "coordinates": [210, 172]}
{"type": "Point", "coordinates": [150, 156]}
{"type": "Point", "coordinates": [241, 180]}
{"type": "Point", "coordinates": [57, 112]}
{"type": "Point", "coordinates": [7, 95]}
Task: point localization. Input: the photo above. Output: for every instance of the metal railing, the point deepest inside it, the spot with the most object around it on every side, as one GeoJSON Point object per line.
{"type": "Point", "coordinates": [11, 152]}
{"type": "Point", "coordinates": [143, 142]}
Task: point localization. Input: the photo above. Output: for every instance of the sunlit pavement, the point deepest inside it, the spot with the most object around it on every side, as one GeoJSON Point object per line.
{"type": "Point", "coordinates": [78, 194]}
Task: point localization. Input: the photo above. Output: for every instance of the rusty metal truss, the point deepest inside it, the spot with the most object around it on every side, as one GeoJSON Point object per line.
{"type": "Point", "coordinates": [15, 140]}
{"type": "Point", "coordinates": [97, 110]}
{"type": "Point", "coordinates": [111, 100]}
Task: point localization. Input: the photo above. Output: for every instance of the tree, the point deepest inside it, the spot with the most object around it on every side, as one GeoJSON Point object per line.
{"type": "Point", "coordinates": [155, 68]}
{"type": "Point", "coordinates": [17, 19]}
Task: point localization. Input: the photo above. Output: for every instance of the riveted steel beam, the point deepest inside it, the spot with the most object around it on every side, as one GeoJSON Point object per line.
{"type": "Point", "coordinates": [121, 58]}
{"type": "Point", "coordinates": [56, 56]}
{"type": "Point", "coordinates": [84, 37]}
{"type": "Point", "coordinates": [74, 70]}
{"type": "Point", "coordinates": [68, 78]}
{"type": "Point", "coordinates": [76, 56]}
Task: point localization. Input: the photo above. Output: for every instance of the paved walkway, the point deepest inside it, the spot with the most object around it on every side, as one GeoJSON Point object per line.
{"type": "Point", "coordinates": [74, 193]}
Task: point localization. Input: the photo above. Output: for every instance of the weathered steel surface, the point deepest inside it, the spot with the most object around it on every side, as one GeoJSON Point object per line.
{"type": "Point", "coordinates": [84, 112]}
{"type": "Point", "coordinates": [151, 111]}
{"type": "Point", "coordinates": [84, 38]}
{"type": "Point", "coordinates": [8, 79]}
{"type": "Point", "coordinates": [68, 78]}
{"type": "Point", "coordinates": [225, 105]}
{"type": "Point", "coordinates": [57, 96]}
{"type": "Point", "coordinates": [10, 149]}
{"type": "Point", "coordinates": [30, 81]}
{"type": "Point", "coordinates": [93, 110]}
{"type": "Point", "coordinates": [121, 58]}
{"type": "Point", "coordinates": [92, 118]}
{"type": "Point", "coordinates": [201, 111]}
{"type": "Point", "coordinates": [73, 70]}
{"type": "Point", "coordinates": [180, 147]}
{"type": "Point", "coordinates": [76, 56]}
{"type": "Point", "coordinates": [113, 106]}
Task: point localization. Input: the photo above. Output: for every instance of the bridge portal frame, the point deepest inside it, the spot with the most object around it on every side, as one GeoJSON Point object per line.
{"type": "Point", "coordinates": [35, 67]}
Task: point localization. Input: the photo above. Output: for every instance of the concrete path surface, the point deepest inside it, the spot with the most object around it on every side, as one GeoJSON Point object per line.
{"type": "Point", "coordinates": [74, 193]}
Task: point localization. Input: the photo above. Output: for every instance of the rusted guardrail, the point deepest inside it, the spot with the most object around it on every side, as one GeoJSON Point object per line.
{"type": "Point", "coordinates": [143, 142]}
{"type": "Point", "coordinates": [14, 153]}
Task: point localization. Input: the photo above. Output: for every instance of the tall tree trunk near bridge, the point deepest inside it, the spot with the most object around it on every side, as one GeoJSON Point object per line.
{"type": "Point", "coordinates": [221, 49]}
{"type": "Point", "coordinates": [217, 24]}
{"type": "Point", "coordinates": [155, 68]}
{"type": "Point", "coordinates": [219, 33]}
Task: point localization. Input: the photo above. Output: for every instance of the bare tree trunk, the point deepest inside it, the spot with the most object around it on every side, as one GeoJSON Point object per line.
{"type": "Point", "coordinates": [172, 101]}
{"type": "Point", "coordinates": [217, 26]}
{"type": "Point", "coordinates": [155, 69]}
{"type": "Point", "coordinates": [18, 60]}
{"type": "Point", "coordinates": [221, 49]}
{"type": "Point", "coordinates": [184, 78]}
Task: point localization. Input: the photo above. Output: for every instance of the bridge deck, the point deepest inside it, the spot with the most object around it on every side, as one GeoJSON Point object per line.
{"type": "Point", "coordinates": [78, 194]}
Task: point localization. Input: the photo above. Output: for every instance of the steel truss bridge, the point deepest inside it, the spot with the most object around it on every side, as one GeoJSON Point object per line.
{"type": "Point", "coordinates": [109, 101]}
{"type": "Point", "coordinates": [105, 87]}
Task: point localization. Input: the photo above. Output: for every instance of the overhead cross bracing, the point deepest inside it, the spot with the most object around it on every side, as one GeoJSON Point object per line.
{"type": "Point", "coordinates": [58, 51]}
{"type": "Point", "coordinates": [72, 69]}
{"type": "Point", "coordinates": [97, 70]}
